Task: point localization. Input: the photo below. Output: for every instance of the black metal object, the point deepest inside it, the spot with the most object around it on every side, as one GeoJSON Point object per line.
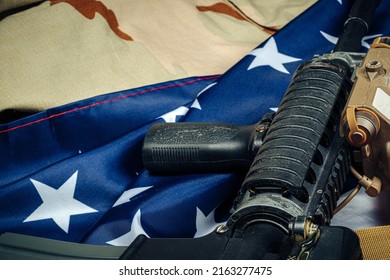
{"type": "Point", "coordinates": [356, 26]}
{"type": "Point", "coordinates": [288, 197]}
{"type": "Point", "coordinates": [302, 146]}
{"type": "Point", "coordinates": [336, 243]}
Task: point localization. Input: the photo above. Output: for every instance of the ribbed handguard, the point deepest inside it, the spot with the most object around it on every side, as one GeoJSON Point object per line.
{"type": "Point", "coordinates": [306, 118]}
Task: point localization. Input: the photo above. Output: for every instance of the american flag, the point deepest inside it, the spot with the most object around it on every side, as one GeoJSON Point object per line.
{"type": "Point", "coordinates": [75, 173]}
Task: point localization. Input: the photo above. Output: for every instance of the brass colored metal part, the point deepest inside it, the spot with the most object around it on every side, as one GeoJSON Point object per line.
{"type": "Point", "coordinates": [381, 42]}
{"type": "Point", "coordinates": [366, 119]}
{"type": "Point", "coordinates": [360, 126]}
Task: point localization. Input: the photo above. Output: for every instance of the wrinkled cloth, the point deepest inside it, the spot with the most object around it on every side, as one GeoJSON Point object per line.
{"type": "Point", "coordinates": [66, 50]}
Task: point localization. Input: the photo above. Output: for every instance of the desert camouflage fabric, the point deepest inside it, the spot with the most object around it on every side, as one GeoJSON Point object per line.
{"type": "Point", "coordinates": [61, 51]}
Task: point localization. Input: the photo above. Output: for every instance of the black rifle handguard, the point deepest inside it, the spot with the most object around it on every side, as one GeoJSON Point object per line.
{"type": "Point", "coordinates": [305, 124]}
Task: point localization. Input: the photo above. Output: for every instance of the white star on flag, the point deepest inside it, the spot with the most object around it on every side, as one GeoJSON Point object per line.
{"type": "Point", "coordinates": [269, 55]}
{"type": "Point", "coordinates": [334, 39]}
{"type": "Point", "coordinates": [196, 104]}
{"type": "Point", "coordinates": [58, 204]}
{"type": "Point", "coordinates": [329, 37]}
{"type": "Point", "coordinates": [135, 230]}
{"type": "Point", "coordinates": [170, 117]}
{"type": "Point", "coordinates": [204, 224]}
{"type": "Point", "coordinates": [129, 194]}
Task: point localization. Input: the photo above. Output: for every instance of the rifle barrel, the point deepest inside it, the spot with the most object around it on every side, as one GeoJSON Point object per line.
{"type": "Point", "coordinates": [356, 25]}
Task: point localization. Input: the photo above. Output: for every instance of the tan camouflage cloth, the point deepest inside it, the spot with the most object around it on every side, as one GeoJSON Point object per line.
{"type": "Point", "coordinates": [61, 51]}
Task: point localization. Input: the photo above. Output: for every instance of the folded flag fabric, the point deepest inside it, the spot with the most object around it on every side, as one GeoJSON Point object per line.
{"type": "Point", "coordinates": [75, 173]}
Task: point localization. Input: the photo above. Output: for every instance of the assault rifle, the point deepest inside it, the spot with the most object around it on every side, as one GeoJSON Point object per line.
{"type": "Point", "coordinates": [333, 119]}
{"type": "Point", "coordinates": [298, 159]}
